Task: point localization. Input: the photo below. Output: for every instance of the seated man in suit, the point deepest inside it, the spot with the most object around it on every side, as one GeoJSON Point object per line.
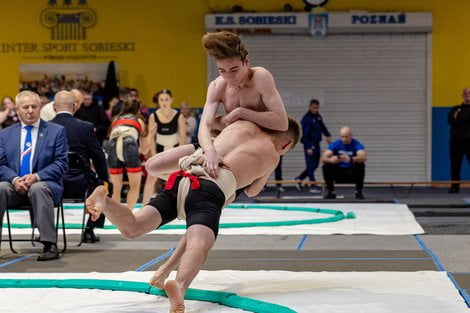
{"type": "Point", "coordinates": [81, 139]}
{"type": "Point", "coordinates": [33, 160]}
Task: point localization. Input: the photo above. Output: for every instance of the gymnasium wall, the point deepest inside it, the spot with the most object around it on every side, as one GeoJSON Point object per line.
{"type": "Point", "coordinates": [157, 45]}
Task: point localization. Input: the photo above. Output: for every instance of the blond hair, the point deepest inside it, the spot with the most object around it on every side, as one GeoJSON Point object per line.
{"type": "Point", "coordinates": [24, 94]}
{"type": "Point", "coordinates": [224, 45]}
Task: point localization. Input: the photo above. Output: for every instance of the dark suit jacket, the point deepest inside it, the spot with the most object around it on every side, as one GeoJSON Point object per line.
{"type": "Point", "coordinates": [50, 159]}
{"type": "Point", "coordinates": [82, 139]}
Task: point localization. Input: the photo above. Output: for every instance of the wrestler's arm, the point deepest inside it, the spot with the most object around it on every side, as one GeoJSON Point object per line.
{"type": "Point", "coordinates": [164, 163]}
{"type": "Point", "coordinates": [211, 161]}
{"type": "Point", "coordinates": [255, 187]}
{"type": "Point", "coordinates": [275, 117]}
{"type": "Point", "coordinates": [181, 130]}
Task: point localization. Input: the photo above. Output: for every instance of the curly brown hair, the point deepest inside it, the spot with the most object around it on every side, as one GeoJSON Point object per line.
{"type": "Point", "coordinates": [224, 45]}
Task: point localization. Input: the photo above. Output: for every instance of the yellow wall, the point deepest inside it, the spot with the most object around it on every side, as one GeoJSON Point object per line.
{"type": "Point", "coordinates": [168, 52]}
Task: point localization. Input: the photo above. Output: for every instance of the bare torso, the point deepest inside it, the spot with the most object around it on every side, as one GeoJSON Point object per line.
{"type": "Point", "coordinates": [247, 151]}
{"type": "Point", "coordinates": [246, 97]}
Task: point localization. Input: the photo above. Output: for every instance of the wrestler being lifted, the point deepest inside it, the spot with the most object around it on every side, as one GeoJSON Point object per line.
{"type": "Point", "coordinates": [249, 155]}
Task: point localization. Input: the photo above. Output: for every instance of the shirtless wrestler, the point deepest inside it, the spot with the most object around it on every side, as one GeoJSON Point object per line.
{"type": "Point", "coordinates": [249, 156]}
{"type": "Point", "coordinates": [247, 93]}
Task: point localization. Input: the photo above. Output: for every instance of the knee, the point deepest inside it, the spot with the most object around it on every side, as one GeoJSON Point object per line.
{"type": "Point", "coordinates": [131, 233]}
{"type": "Point", "coordinates": [38, 188]}
{"type": "Point", "coordinates": [4, 187]}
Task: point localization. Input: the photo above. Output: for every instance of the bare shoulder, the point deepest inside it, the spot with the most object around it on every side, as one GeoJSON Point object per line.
{"type": "Point", "coordinates": [216, 89]}
{"type": "Point", "coordinates": [260, 73]}
{"type": "Point", "coordinates": [218, 84]}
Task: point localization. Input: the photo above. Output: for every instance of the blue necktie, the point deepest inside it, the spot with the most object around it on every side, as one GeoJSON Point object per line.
{"type": "Point", "coordinates": [26, 154]}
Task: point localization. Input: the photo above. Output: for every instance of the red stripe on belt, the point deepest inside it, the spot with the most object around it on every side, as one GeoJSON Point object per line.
{"type": "Point", "coordinates": [172, 179]}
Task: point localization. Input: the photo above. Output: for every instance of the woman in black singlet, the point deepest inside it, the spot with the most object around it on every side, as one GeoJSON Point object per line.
{"type": "Point", "coordinates": [167, 129]}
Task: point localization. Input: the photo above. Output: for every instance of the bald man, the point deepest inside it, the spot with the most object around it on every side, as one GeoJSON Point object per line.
{"type": "Point", "coordinates": [48, 112]}
{"type": "Point", "coordinates": [344, 162]}
{"type": "Point", "coordinates": [82, 139]}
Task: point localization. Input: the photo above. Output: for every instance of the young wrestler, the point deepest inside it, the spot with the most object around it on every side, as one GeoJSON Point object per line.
{"type": "Point", "coordinates": [249, 156]}
{"type": "Point", "coordinates": [247, 93]}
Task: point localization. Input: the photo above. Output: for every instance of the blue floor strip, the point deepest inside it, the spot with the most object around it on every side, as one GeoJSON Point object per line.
{"type": "Point", "coordinates": [156, 260]}
{"type": "Point", "coordinates": [462, 292]}
{"type": "Point", "coordinates": [440, 267]}
{"type": "Point", "coordinates": [301, 243]}
{"type": "Point", "coordinates": [16, 260]}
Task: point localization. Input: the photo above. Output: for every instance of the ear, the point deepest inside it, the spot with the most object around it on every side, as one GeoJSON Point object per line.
{"type": "Point", "coordinates": [286, 148]}
{"type": "Point", "coordinates": [247, 60]}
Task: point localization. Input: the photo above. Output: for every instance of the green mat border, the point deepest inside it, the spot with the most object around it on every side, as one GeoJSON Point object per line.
{"type": "Point", "coordinates": [336, 215]}
{"type": "Point", "coordinates": [229, 299]}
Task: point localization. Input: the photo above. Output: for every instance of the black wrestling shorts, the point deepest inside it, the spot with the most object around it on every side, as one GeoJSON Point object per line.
{"type": "Point", "coordinates": [131, 157]}
{"type": "Point", "coordinates": [203, 206]}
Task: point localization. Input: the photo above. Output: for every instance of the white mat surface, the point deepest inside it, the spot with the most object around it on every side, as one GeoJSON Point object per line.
{"type": "Point", "coordinates": [371, 218]}
{"type": "Point", "coordinates": [304, 292]}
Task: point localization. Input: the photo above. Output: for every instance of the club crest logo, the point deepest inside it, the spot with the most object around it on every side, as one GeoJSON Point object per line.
{"type": "Point", "coordinates": [68, 21]}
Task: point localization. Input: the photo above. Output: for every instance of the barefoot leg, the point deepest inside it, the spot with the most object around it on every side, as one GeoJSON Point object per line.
{"type": "Point", "coordinates": [96, 202]}
{"type": "Point", "coordinates": [158, 279]}
{"type": "Point", "coordinates": [175, 296]}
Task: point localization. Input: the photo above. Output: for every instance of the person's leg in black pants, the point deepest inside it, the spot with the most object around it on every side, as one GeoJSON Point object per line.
{"type": "Point", "coordinates": [456, 150]}
{"type": "Point", "coordinates": [278, 173]}
{"type": "Point", "coordinates": [329, 171]}
{"type": "Point", "coordinates": [358, 174]}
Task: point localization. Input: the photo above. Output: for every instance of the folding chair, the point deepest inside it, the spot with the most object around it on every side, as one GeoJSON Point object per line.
{"type": "Point", "coordinates": [78, 167]}
{"type": "Point", "coordinates": [28, 207]}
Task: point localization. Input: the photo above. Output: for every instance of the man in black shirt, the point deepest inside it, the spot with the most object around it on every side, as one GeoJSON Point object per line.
{"type": "Point", "coordinates": [92, 112]}
{"type": "Point", "coordinates": [459, 145]}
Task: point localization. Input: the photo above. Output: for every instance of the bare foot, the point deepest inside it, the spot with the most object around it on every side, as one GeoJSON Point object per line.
{"type": "Point", "coordinates": [175, 296]}
{"type": "Point", "coordinates": [96, 202]}
{"type": "Point", "coordinates": [158, 279]}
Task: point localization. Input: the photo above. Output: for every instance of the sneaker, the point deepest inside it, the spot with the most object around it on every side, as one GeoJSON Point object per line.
{"type": "Point", "coordinates": [315, 189]}
{"type": "Point", "coordinates": [330, 195]}
{"type": "Point", "coordinates": [298, 186]}
{"type": "Point", "coordinates": [359, 196]}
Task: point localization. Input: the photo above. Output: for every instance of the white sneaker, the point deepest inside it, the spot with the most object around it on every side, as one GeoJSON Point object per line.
{"type": "Point", "coordinates": [315, 190]}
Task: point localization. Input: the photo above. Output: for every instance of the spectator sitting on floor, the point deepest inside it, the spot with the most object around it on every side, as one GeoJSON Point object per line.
{"type": "Point", "coordinates": [344, 162]}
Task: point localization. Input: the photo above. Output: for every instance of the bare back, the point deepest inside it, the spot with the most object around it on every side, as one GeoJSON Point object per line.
{"type": "Point", "coordinates": [247, 151]}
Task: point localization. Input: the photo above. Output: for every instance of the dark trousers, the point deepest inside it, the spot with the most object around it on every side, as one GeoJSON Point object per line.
{"type": "Point", "coordinates": [311, 161]}
{"type": "Point", "coordinates": [278, 171]}
{"type": "Point", "coordinates": [458, 148]}
{"type": "Point", "coordinates": [75, 187]}
{"type": "Point", "coordinates": [333, 173]}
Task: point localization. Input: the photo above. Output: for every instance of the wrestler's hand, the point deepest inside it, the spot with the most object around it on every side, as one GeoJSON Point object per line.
{"type": "Point", "coordinates": [211, 162]}
{"type": "Point", "coordinates": [232, 117]}
{"type": "Point", "coordinates": [310, 152]}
